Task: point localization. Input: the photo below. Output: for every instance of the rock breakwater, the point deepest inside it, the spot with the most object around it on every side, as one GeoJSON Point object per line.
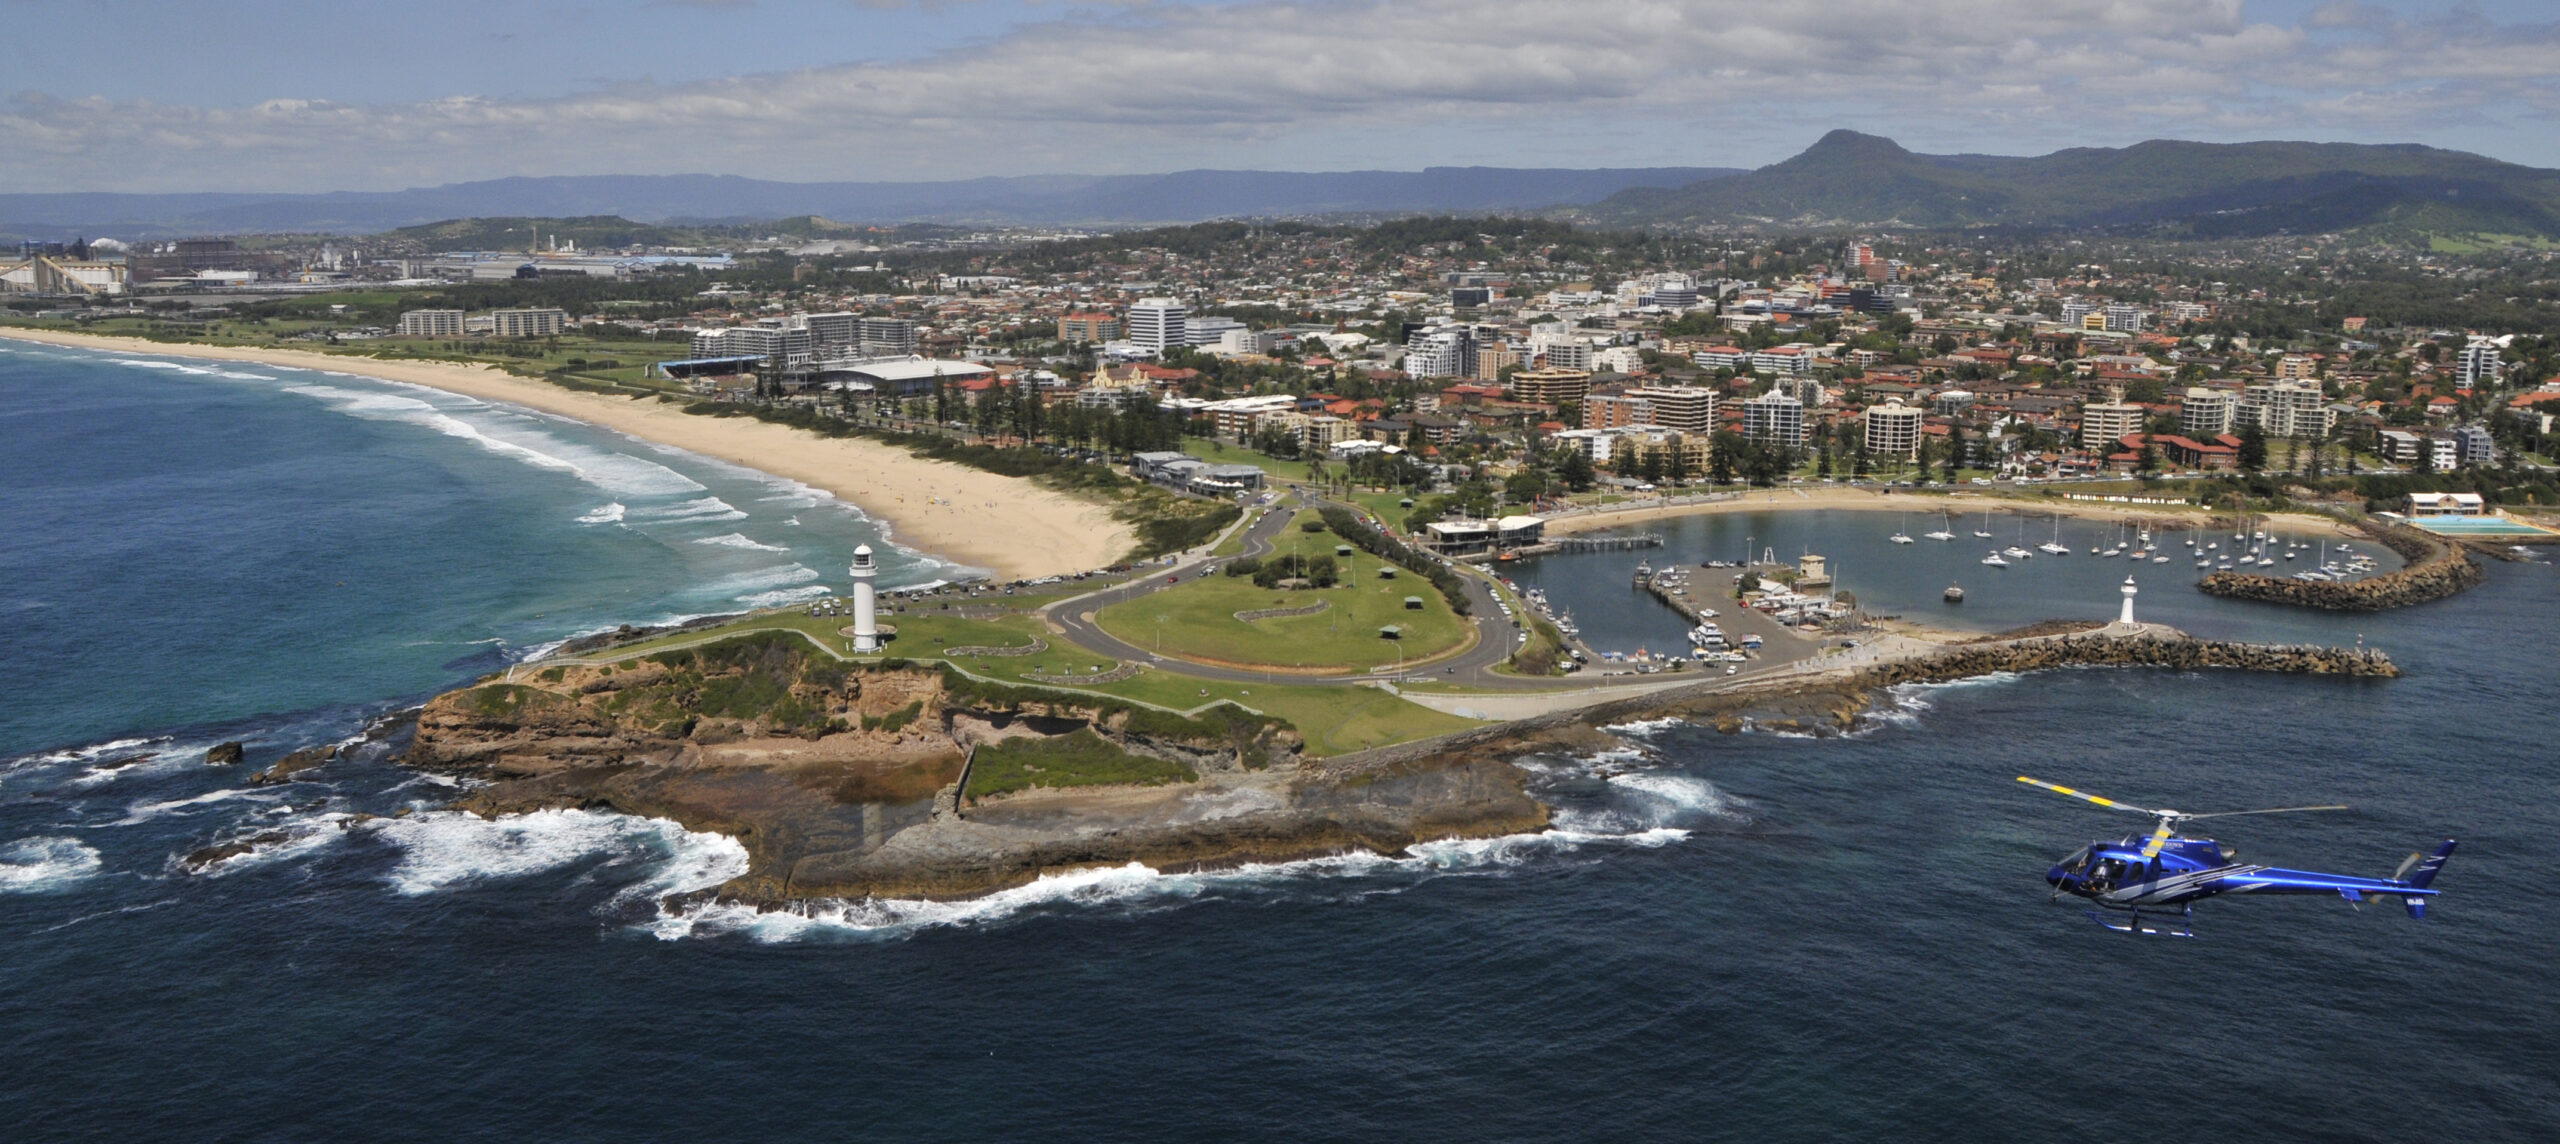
{"type": "Point", "coordinates": [2179, 652]}
{"type": "Point", "coordinates": [2436, 569]}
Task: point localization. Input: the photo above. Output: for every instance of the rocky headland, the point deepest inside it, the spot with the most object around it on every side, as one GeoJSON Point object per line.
{"type": "Point", "coordinates": [899, 780]}
{"type": "Point", "coordinates": [915, 781]}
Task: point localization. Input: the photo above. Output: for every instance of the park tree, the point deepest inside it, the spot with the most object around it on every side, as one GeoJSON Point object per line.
{"type": "Point", "coordinates": [1575, 470]}
{"type": "Point", "coordinates": [2253, 448]}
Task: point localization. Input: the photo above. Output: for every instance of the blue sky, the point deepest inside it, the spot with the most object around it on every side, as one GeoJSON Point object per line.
{"type": "Point", "coordinates": [276, 95]}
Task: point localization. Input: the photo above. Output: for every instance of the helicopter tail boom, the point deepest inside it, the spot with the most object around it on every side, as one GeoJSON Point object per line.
{"type": "Point", "coordinates": [2420, 870]}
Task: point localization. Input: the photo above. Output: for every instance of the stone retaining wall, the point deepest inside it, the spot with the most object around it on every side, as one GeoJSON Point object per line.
{"type": "Point", "coordinates": [1035, 647]}
{"type": "Point", "coordinates": [1281, 613]}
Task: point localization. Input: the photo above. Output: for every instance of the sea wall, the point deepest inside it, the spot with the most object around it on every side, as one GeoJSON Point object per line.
{"type": "Point", "coordinates": [2437, 568]}
{"type": "Point", "coordinates": [2180, 652]}
{"type": "Point", "coordinates": [1838, 700]}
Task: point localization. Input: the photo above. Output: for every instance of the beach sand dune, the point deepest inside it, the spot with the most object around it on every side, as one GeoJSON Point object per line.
{"type": "Point", "coordinates": [1007, 525]}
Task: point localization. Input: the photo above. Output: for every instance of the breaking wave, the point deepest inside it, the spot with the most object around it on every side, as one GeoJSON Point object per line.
{"type": "Point", "coordinates": [741, 540]}
{"type": "Point", "coordinates": [44, 864]}
{"type": "Point", "coordinates": [442, 849]}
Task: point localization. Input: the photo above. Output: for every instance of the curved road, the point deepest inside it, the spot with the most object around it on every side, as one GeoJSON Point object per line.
{"type": "Point", "coordinates": [1495, 634]}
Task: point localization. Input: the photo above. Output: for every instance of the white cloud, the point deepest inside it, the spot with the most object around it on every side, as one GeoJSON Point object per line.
{"type": "Point", "coordinates": [1400, 83]}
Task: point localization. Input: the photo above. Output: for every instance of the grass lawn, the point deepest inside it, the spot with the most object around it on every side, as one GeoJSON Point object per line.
{"type": "Point", "coordinates": [1334, 718]}
{"type": "Point", "coordinates": [1079, 759]}
{"type": "Point", "coordinates": [1198, 620]}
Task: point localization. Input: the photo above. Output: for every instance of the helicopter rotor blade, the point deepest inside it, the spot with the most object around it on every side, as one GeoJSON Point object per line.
{"type": "Point", "coordinates": [2402, 874]}
{"type": "Point", "coordinates": [2272, 810]}
{"type": "Point", "coordinates": [2160, 837]}
{"type": "Point", "coordinates": [2105, 802]}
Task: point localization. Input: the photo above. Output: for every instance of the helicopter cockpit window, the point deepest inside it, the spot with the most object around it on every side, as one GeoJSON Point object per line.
{"type": "Point", "coordinates": [2077, 863]}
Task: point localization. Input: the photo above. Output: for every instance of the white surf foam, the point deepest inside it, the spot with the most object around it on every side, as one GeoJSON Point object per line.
{"type": "Point", "coordinates": [142, 812]}
{"type": "Point", "coordinates": [785, 596]}
{"type": "Point", "coordinates": [508, 434]}
{"type": "Point", "coordinates": [1132, 886]}
{"type": "Point", "coordinates": [611, 513]}
{"type": "Point", "coordinates": [698, 509]}
{"type": "Point", "coordinates": [740, 540]}
{"type": "Point", "coordinates": [44, 864]}
{"type": "Point", "coordinates": [763, 579]}
{"type": "Point", "coordinates": [442, 849]}
{"type": "Point", "coordinates": [1645, 727]}
{"type": "Point", "coordinates": [1682, 792]}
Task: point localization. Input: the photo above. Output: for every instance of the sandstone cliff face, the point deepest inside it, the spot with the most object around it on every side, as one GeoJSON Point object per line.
{"type": "Point", "coordinates": [2437, 568]}
{"type": "Point", "coordinates": [844, 782]}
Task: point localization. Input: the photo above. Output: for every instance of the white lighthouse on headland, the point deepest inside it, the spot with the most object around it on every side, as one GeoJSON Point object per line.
{"type": "Point", "coordinates": [2127, 618]}
{"type": "Point", "coordinates": [866, 619]}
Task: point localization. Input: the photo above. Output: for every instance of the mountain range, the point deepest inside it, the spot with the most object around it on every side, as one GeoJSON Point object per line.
{"type": "Point", "coordinates": [1066, 200]}
{"type": "Point", "coordinates": [2205, 190]}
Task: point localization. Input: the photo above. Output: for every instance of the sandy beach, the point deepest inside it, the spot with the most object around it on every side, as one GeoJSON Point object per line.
{"type": "Point", "coordinates": [1875, 500]}
{"type": "Point", "coordinates": [1010, 527]}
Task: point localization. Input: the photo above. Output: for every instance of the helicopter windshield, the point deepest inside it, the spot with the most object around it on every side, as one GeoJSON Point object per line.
{"type": "Point", "coordinates": [2077, 859]}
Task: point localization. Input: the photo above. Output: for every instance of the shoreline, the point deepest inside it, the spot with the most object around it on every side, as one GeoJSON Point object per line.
{"type": "Point", "coordinates": [1863, 500]}
{"type": "Point", "coordinates": [1006, 525]}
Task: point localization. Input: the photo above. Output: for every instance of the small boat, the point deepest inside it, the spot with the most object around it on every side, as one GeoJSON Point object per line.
{"type": "Point", "coordinates": [2159, 559]}
{"type": "Point", "coordinates": [1995, 561]}
{"type": "Point", "coordinates": [2055, 545]}
{"type": "Point", "coordinates": [1942, 533]}
{"type": "Point", "coordinates": [1902, 531]}
{"type": "Point", "coordinates": [2016, 553]}
{"type": "Point", "coordinates": [1954, 594]}
{"type": "Point", "coordinates": [1985, 531]}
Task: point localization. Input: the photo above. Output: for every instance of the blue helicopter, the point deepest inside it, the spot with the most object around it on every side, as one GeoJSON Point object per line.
{"type": "Point", "coordinates": [2168, 874]}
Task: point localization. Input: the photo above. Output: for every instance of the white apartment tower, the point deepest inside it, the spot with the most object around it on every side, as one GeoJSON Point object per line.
{"type": "Point", "coordinates": [1893, 429]}
{"type": "Point", "coordinates": [1157, 324]}
{"type": "Point", "coordinates": [2477, 365]}
{"type": "Point", "coordinates": [1775, 417]}
{"type": "Point", "coordinates": [2207, 413]}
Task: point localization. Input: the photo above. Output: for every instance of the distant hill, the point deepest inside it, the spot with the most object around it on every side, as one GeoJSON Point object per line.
{"type": "Point", "coordinates": [1182, 196]}
{"type": "Point", "coordinates": [2199, 189]}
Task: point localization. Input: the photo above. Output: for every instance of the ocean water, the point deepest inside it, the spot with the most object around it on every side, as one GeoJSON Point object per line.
{"type": "Point", "coordinates": [1747, 937]}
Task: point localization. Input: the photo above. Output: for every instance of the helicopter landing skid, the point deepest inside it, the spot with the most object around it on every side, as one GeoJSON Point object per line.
{"type": "Point", "coordinates": [2173, 925]}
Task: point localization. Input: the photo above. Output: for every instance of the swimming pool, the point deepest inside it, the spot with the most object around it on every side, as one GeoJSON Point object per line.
{"type": "Point", "coordinates": [2478, 526]}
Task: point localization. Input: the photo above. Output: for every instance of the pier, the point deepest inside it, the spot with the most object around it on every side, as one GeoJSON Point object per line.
{"type": "Point", "coordinates": [1606, 543]}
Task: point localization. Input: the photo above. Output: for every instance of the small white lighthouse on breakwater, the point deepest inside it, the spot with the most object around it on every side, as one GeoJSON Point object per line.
{"type": "Point", "coordinates": [866, 618]}
{"type": "Point", "coordinates": [2126, 619]}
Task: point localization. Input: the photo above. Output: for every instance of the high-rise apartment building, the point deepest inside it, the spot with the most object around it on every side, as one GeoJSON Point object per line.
{"type": "Point", "coordinates": [1893, 429]}
{"type": "Point", "coordinates": [1775, 417]}
{"type": "Point", "coordinates": [2207, 413]}
{"type": "Point", "coordinates": [528, 323]}
{"type": "Point", "coordinates": [1158, 324]}
{"type": "Point", "coordinates": [1687, 408]}
{"type": "Point", "coordinates": [2103, 423]}
{"type": "Point", "coordinates": [1078, 329]}
{"type": "Point", "coordinates": [2477, 365]}
{"type": "Point", "coordinates": [830, 331]}
{"type": "Point", "coordinates": [886, 337]}
{"type": "Point", "coordinates": [1551, 386]}
{"type": "Point", "coordinates": [2286, 409]}
{"type": "Point", "coordinates": [430, 324]}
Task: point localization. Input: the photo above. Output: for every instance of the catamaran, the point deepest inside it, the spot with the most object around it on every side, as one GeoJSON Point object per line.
{"type": "Point", "coordinates": [1901, 532]}
{"type": "Point", "coordinates": [1945, 519]}
{"type": "Point", "coordinates": [1985, 531]}
{"type": "Point", "coordinates": [2055, 545]}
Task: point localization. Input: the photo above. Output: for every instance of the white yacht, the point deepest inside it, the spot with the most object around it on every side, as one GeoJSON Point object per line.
{"type": "Point", "coordinates": [1943, 522]}
{"type": "Point", "coordinates": [1995, 561]}
{"type": "Point", "coordinates": [1901, 532]}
